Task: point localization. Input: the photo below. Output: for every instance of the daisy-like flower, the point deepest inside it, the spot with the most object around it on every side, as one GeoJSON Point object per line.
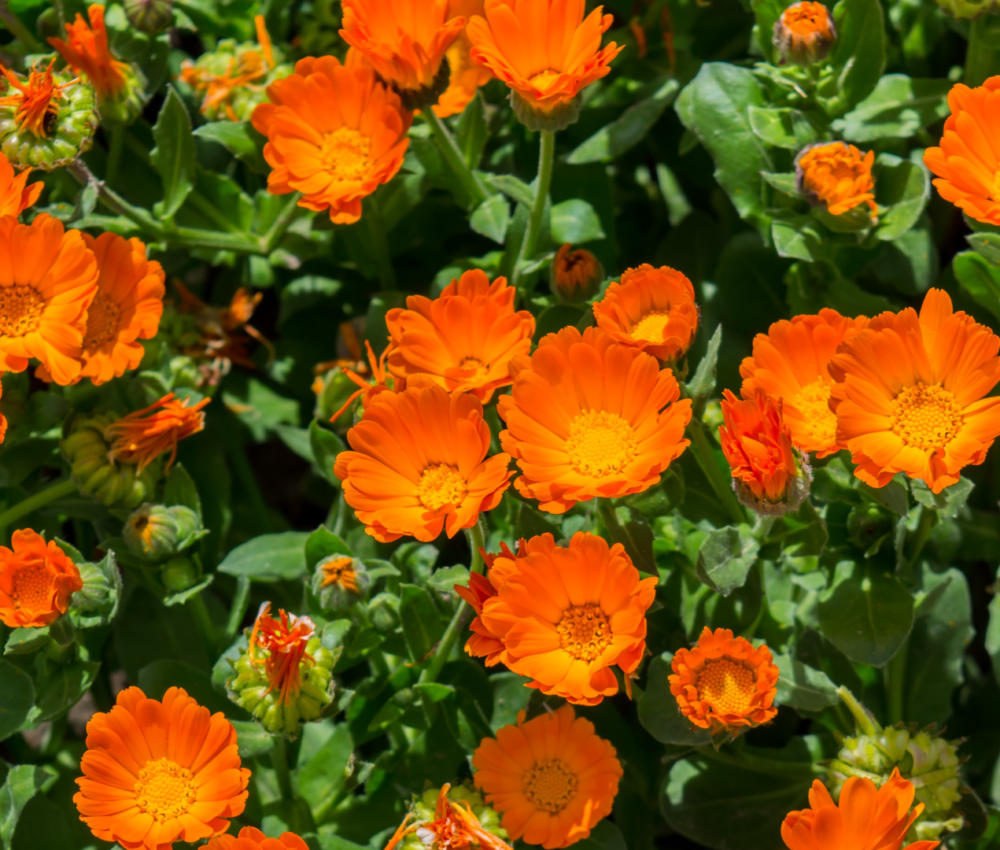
{"type": "Point", "coordinates": [15, 195]}
{"type": "Point", "coordinates": [910, 394]}
{"type": "Point", "coordinates": [589, 418]}
{"type": "Point", "coordinates": [723, 684]}
{"type": "Point", "coordinates": [419, 465]}
{"type": "Point", "coordinates": [158, 772]}
{"type": "Point", "coordinates": [804, 33]}
{"type": "Point", "coordinates": [552, 777]}
{"type": "Point", "coordinates": [334, 133]}
{"type": "Point", "coordinates": [48, 279]}
{"type": "Point", "coordinates": [651, 309]}
{"type": "Point", "coordinates": [867, 818]}
{"type": "Point", "coordinates": [251, 838]}
{"type": "Point", "coordinates": [464, 339]}
{"type": "Point", "coordinates": [836, 175]}
{"type": "Point", "coordinates": [37, 580]}
{"type": "Point", "coordinates": [792, 362]}
{"type": "Point", "coordinates": [575, 275]}
{"type": "Point", "coordinates": [466, 76]}
{"type": "Point", "coordinates": [453, 824]}
{"type": "Point", "coordinates": [144, 435]}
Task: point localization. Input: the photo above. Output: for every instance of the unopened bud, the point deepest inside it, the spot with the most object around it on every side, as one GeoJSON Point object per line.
{"type": "Point", "coordinates": [156, 531]}
{"type": "Point", "coordinates": [150, 16]}
{"type": "Point", "coordinates": [339, 581]}
{"type": "Point", "coordinates": [804, 34]}
{"type": "Point", "coordinates": [179, 574]}
{"type": "Point", "coordinates": [575, 275]}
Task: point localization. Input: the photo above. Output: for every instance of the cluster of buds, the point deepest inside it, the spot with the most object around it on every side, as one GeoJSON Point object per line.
{"type": "Point", "coordinates": [155, 532]}
{"type": "Point", "coordinates": [448, 818]}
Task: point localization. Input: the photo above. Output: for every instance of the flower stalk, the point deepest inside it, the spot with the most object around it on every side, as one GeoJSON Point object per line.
{"type": "Point", "coordinates": [546, 157]}
{"type": "Point", "coordinates": [453, 156]}
{"type": "Point", "coordinates": [715, 474]}
{"type": "Point", "coordinates": [36, 501]}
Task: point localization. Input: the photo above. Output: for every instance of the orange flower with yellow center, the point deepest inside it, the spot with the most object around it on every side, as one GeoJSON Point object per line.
{"type": "Point", "coordinates": [651, 309]}
{"type": "Point", "coordinates": [804, 33]}
{"type": "Point", "coordinates": [87, 52]}
{"type": "Point", "coordinates": [867, 818]}
{"type": "Point", "coordinates": [334, 133]}
{"type": "Point", "coordinates": [15, 195]}
{"type": "Point", "coordinates": [567, 616]}
{"type": "Point", "coordinates": [464, 339]}
{"type": "Point", "coordinates": [419, 466]}
{"type": "Point", "coordinates": [251, 838]}
{"type": "Point", "coordinates": [552, 778]}
{"type": "Point", "coordinates": [723, 683]}
{"type": "Point", "coordinates": [282, 640]}
{"type": "Point", "coordinates": [340, 572]}
{"type": "Point", "coordinates": [910, 394]}
{"type": "Point", "coordinates": [158, 772]}
{"type": "Point", "coordinates": [141, 437]}
{"type": "Point", "coordinates": [792, 362]}
{"type": "Point", "coordinates": [36, 100]}
{"type": "Point", "coordinates": [466, 76]}
{"type": "Point", "coordinates": [836, 175]}
{"type": "Point", "coordinates": [589, 418]}
{"type": "Point", "coordinates": [48, 279]}
{"type": "Point", "coordinates": [37, 580]}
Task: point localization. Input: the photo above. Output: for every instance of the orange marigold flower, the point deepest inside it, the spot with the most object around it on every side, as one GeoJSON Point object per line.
{"type": "Point", "coordinates": [340, 572]}
{"type": "Point", "coordinates": [158, 772]}
{"type": "Point", "coordinates": [589, 418]}
{"type": "Point", "coordinates": [868, 818]}
{"type": "Point", "coordinates": [464, 339]}
{"type": "Point", "coordinates": [723, 683]}
{"type": "Point", "coordinates": [419, 465]}
{"type": "Point", "coordinates": [651, 309]}
{"type": "Point", "coordinates": [566, 616]}
{"type": "Point", "coordinates": [36, 99]}
{"type": "Point", "coordinates": [576, 275]}
{"type": "Point", "coordinates": [283, 639]}
{"type": "Point", "coordinates": [836, 175]}
{"type": "Point", "coordinates": [36, 581]}
{"type": "Point", "coordinates": [792, 362]}
{"type": "Point", "coordinates": [804, 33]}
{"type": "Point", "coordinates": [466, 76]}
{"type": "Point", "coordinates": [15, 195]}
{"type": "Point", "coordinates": [87, 52]}
{"type": "Point", "coordinates": [552, 777]}
{"type": "Point", "coordinates": [144, 435]}
{"type": "Point", "coordinates": [250, 838]}
{"type": "Point", "coordinates": [48, 279]}
{"type": "Point", "coordinates": [910, 394]}
{"type": "Point", "coordinates": [334, 133]}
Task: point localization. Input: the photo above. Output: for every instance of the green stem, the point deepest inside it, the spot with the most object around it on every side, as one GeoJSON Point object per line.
{"type": "Point", "coordinates": [477, 540]}
{"type": "Point", "coordinates": [211, 212]}
{"type": "Point", "coordinates": [864, 722]}
{"type": "Point", "coordinates": [453, 156]}
{"type": "Point", "coordinates": [279, 761]}
{"type": "Point", "coordinates": [894, 675]}
{"type": "Point", "coordinates": [759, 764]}
{"type": "Point", "coordinates": [19, 30]}
{"type": "Point", "coordinates": [281, 224]}
{"type": "Point", "coordinates": [36, 501]}
{"type": "Point", "coordinates": [244, 473]}
{"type": "Point", "coordinates": [922, 533]}
{"type": "Point", "coordinates": [238, 610]}
{"type": "Point", "coordinates": [546, 158]}
{"type": "Point", "coordinates": [981, 55]}
{"type": "Point", "coordinates": [196, 604]}
{"type": "Point", "coordinates": [116, 142]}
{"type": "Point", "coordinates": [721, 483]}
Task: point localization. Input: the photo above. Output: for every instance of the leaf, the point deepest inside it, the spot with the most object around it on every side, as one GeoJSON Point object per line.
{"type": "Point", "coordinates": [767, 13]}
{"type": "Point", "coordinates": [993, 629]}
{"type": "Point", "coordinates": [782, 127]}
{"type": "Point", "coordinates": [725, 558]}
{"type": "Point", "coordinates": [859, 52]}
{"type": "Point", "coordinates": [22, 641]}
{"type": "Point", "coordinates": [891, 496]}
{"type": "Point", "coordinates": [17, 696]}
{"type": "Point", "coordinates": [981, 279]}
{"type": "Point", "coordinates": [306, 293]}
{"type": "Point", "coordinates": [22, 783]}
{"type": "Point", "coordinates": [658, 711]}
{"type": "Point", "coordinates": [784, 182]}
{"type": "Point", "coordinates": [702, 385]}
{"type": "Point", "coordinates": [604, 836]}
{"type": "Point", "coordinates": [174, 154]}
{"type": "Point", "coordinates": [321, 544]}
{"type": "Point", "coordinates": [157, 678]}
{"type": "Point", "coordinates": [797, 238]}
{"type": "Point", "coordinates": [326, 445]}
{"type": "Point", "coordinates": [898, 108]}
{"type": "Point", "coordinates": [472, 131]}
{"type": "Point", "coordinates": [948, 502]}
{"type": "Point", "coordinates": [422, 626]}
{"type": "Point", "coordinates": [63, 689]}
{"type": "Point", "coordinates": [180, 489]}
{"type": "Point", "coordinates": [445, 579]}
{"type": "Point", "coordinates": [904, 187]}
{"type": "Point", "coordinates": [802, 686]}
{"type": "Point", "coordinates": [512, 187]}
{"type": "Point", "coordinates": [575, 222]}
{"type": "Point", "coordinates": [252, 739]}
{"type": "Point", "coordinates": [987, 244]}
{"type": "Point", "coordinates": [555, 317]}
{"type": "Point", "coordinates": [324, 774]}
{"type": "Point", "coordinates": [270, 557]}
{"type": "Point", "coordinates": [492, 218]}
{"type": "Point", "coordinates": [240, 139]}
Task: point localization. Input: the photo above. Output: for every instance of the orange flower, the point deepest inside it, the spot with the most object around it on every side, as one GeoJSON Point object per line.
{"type": "Point", "coordinates": [910, 394]}
{"type": "Point", "coordinates": [966, 163]}
{"type": "Point", "coordinates": [792, 362]}
{"type": "Point", "coordinates": [552, 777]}
{"type": "Point", "coordinates": [576, 275]}
{"type": "Point", "coordinates": [283, 639]}
{"type": "Point", "coordinates": [140, 438]}
{"type": "Point", "coordinates": [382, 382]}
{"type": "Point", "coordinates": [36, 581]}
{"type": "Point", "coordinates": [454, 827]}
{"type": "Point", "coordinates": [651, 309]}
{"type": "Point", "coordinates": [868, 818]}
{"type": "Point", "coordinates": [253, 839]}
{"type": "Point", "coordinates": [340, 572]}
{"type": "Point", "coordinates": [36, 99]}
{"type": "Point", "coordinates": [464, 339]}
{"type": "Point", "coordinates": [15, 195]}
{"type": "Point", "coordinates": [419, 465]}
{"type": "Point", "coordinates": [87, 53]}
{"type": "Point", "coordinates": [3, 419]}
{"type": "Point", "coordinates": [48, 279]}
{"type": "Point", "coordinates": [334, 133]}
{"type": "Point", "coordinates": [804, 33]}
{"type": "Point", "coordinates": [159, 772]}
{"type": "Point", "coordinates": [466, 76]}
{"type": "Point", "coordinates": [567, 616]}
{"type": "Point", "coordinates": [837, 175]}
{"type": "Point", "coordinates": [589, 418]}
{"type": "Point", "coordinates": [723, 683]}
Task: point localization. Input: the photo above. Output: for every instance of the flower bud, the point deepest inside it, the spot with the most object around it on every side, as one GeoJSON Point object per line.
{"type": "Point", "coordinates": [452, 816]}
{"type": "Point", "coordinates": [179, 574]}
{"type": "Point", "coordinates": [575, 275]}
{"type": "Point", "coordinates": [156, 531]}
{"type": "Point", "coordinates": [339, 581]}
{"type": "Point", "coordinates": [804, 34]}
{"type": "Point", "coordinates": [837, 176]}
{"type": "Point", "coordinates": [149, 16]}
{"type": "Point", "coordinates": [966, 9]}
{"type": "Point", "coordinates": [334, 390]}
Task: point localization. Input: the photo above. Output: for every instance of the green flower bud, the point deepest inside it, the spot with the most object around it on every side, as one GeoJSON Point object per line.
{"type": "Point", "coordinates": [156, 531]}
{"type": "Point", "coordinates": [425, 811]}
{"type": "Point", "coordinates": [179, 574]}
{"type": "Point", "coordinates": [333, 390]}
{"type": "Point", "coordinates": [339, 581]}
{"type": "Point", "coordinates": [149, 16]}
{"type": "Point", "coordinates": [127, 105]}
{"type": "Point", "coordinates": [965, 9]}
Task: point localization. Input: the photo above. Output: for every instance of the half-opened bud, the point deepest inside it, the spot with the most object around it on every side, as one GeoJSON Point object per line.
{"type": "Point", "coordinates": [804, 34]}
{"type": "Point", "coordinates": [575, 275]}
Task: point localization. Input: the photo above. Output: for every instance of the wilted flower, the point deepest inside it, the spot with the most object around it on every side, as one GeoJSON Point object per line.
{"type": "Point", "coordinates": [804, 34]}
{"type": "Point", "coordinates": [144, 435]}
{"type": "Point", "coordinates": [37, 580]}
{"type": "Point", "coordinates": [449, 818]}
{"type": "Point", "coordinates": [15, 195]}
{"type": "Point", "coordinates": [836, 175]}
{"type": "Point", "coordinates": [156, 531]}
{"type": "Point", "coordinates": [575, 275]}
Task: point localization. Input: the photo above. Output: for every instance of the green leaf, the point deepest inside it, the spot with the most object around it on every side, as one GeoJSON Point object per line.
{"type": "Point", "coordinates": [240, 139]}
{"type": "Point", "coordinates": [993, 630]}
{"type": "Point", "coordinates": [904, 187]}
{"type": "Point", "coordinates": [604, 836]}
{"type": "Point", "coordinates": [555, 317]}
{"type": "Point", "coordinates": [472, 131]}
{"type": "Point", "coordinates": [767, 13]}
{"type": "Point", "coordinates": [784, 182]}
{"type": "Point", "coordinates": [17, 696]}
{"type": "Point", "coordinates": [782, 127]}
{"type": "Point", "coordinates": [445, 579]}
{"type": "Point", "coordinates": [26, 640]}
{"type": "Point", "coordinates": [252, 739]}
{"type": "Point", "coordinates": [948, 502]}
{"type": "Point", "coordinates": [575, 222]}
{"type": "Point", "coordinates": [725, 558]}
{"type": "Point", "coordinates": [802, 686]}
{"type": "Point", "coordinates": [174, 154]}
{"type": "Point", "coordinates": [147, 631]}
{"type": "Point", "coordinates": [422, 626]}
{"type": "Point", "coordinates": [62, 690]}
{"type": "Point", "coordinates": [859, 52]}
{"type": "Point", "coordinates": [658, 711]}
{"type": "Point", "coordinates": [326, 445]}
{"type": "Point", "coordinates": [492, 218]}
{"type": "Point", "coordinates": [180, 489]}
{"type": "Point", "coordinates": [898, 108]}
{"type": "Point", "coordinates": [157, 678]}
{"type": "Point", "coordinates": [323, 543]}
{"type": "Point", "coordinates": [987, 244]}
{"type": "Point", "coordinates": [22, 783]}
{"type": "Point", "coordinates": [512, 187]}
{"type": "Point", "coordinates": [325, 774]}
{"type": "Point", "coordinates": [797, 238]}
{"type": "Point", "coordinates": [306, 293]}
{"type": "Point", "coordinates": [270, 557]}
{"type": "Point", "coordinates": [702, 385]}
{"type": "Point", "coordinates": [981, 279]}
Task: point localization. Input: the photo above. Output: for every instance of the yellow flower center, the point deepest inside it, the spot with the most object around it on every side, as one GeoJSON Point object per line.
{"type": "Point", "coordinates": [813, 402]}
{"type": "Point", "coordinates": [441, 484]}
{"type": "Point", "coordinates": [165, 790]}
{"type": "Point", "coordinates": [32, 588]}
{"type": "Point", "coordinates": [544, 79]}
{"type": "Point", "coordinates": [600, 443]}
{"type": "Point", "coordinates": [926, 417]}
{"type": "Point", "coordinates": [21, 308]}
{"type": "Point", "coordinates": [650, 327]}
{"type": "Point", "coordinates": [727, 686]}
{"type": "Point", "coordinates": [584, 631]}
{"type": "Point", "coordinates": [475, 367]}
{"type": "Point", "coordinates": [102, 321]}
{"type": "Point", "coordinates": [550, 785]}
{"type": "Point", "coordinates": [346, 154]}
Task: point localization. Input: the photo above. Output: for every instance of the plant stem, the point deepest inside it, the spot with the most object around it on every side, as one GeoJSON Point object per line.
{"type": "Point", "coordinates": [546, 156]}
{"type": "Point", "coordinates": [923, 532]}
{"type": "Point", "coordinates": [281, 224]}
{"type": "Point", "coordinates": [18, 29]}
{"type": "Point", "coordinates": [758, 764]}
{"type": "Point", "coordinates": [721, 483]}
{"type": "Point", "coordinates": [238, 610]}
{"type": "Point", "coordinates": [453, 156]}
{"type": "Point", "coordinates": [477, 541]}
{"type": "Point", "coordinates": [36, 501]}
{"type": "Point", "coordinates": [211, 212]}
{"type": "Point", "coordinates": [279, 761]}
{"type": "Point", "coordinates": [894, 675]}
{"type": "Point", "coordinates": [116, 141]}
{"type": "Point", "coordinates": [862, 720]}
{"type": "Point", "coordinates": [114, 202]}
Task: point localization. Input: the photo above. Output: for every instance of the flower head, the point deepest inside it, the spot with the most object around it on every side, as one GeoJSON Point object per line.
{"type": "Point", "coordinates": [575, 275]}
{"type": "Point", "coordinates": [159, 772]}
{"type": "Point", "coordinates": [278, 644]}
{"type": "Point", "coordinates": [37, 580]}
{"type": "Point", "coordinates": [339, 580]}
{"type": "Point", "coordinates": [464, 339]}
{"type": "Point", "coordinates": [723, 683]}
{"type": "Point", "coordinates": [836, 175]}
{"type": "Point", "coordinates": [251, 838]}
{"type": "Point", "coordinates": [419, 466]}
{"type": "Point", "coordinates": [144, 435]}
{"type": "Point", "coordinates": [551, 777]}
{"type": "Point", "coordinates": [334, 133]}
{"type": "Point", "coordinates": [651, 309]}
{"type": "Point", "coordinates": [36, 101]}
{"type": "Point", "coordinates": [339, 571]}
{"type": "Point", "coordinates": [15, 195]}
{"type": "Point", "coordinates": [589, 418]}
{"type": "Point", "coordinates": [804, 33]}
{"type": "Point", "coordinates": [465, 75]}
{"type": "Point", "coordinates": [791, 362]}
{"type": "Point", "coordinates": [88, 53]}
{"type": "Point", "coordinates": [449, 818]}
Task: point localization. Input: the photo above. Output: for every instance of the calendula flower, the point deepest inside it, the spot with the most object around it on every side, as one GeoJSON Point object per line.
{"type": "Point", "coordinates": [339, 571]}
{"type": "Point", "coordinates": [144, 435]}
{"type": "Point", "coordinates": [651, 309]}
{"type": "Point", "coordinates": [792, 362]}
{"type": "Point", "coordinates": [159, 772]}
{"type": "Point", "coordinates": [575, 275]}
{"type": "Point", "coordinates": [338, 581]}
{"type": "Point", "coordinates": [836, 175]}
{"type": "Point", "coordinates": [466, 76]}
{"type": "Point", "coordinates": [48, 279]}
{"type": "Point", "coordinates": [723, 684]}
{"type": "Point", "coordinates": [590, 418]}
{"type": "Point", "coordinates": [804, 33]}
{"type": "Point", "coordinates": [250, 838]}
{"type": "Point", "coordinates": [449, 818]}
{"type": "Point", "coordinates": [334, 133]}
{"type": "Point", "coordinates": [546, 53]}
{"type": "Point", "coordinates": [419, 465]}
{"type": "Point", "coordinates": [867, 818]}
{"type": "Point", "coordinates": [15, 195]}
{"type": "Point", "coordinates": [464, 339]}
{"type": "Point", "coordinates": [910, 394]}
{"type": "Point", "coordinates": [552, 777]}
{"type": "Point", "coordinates": [37, 580]}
